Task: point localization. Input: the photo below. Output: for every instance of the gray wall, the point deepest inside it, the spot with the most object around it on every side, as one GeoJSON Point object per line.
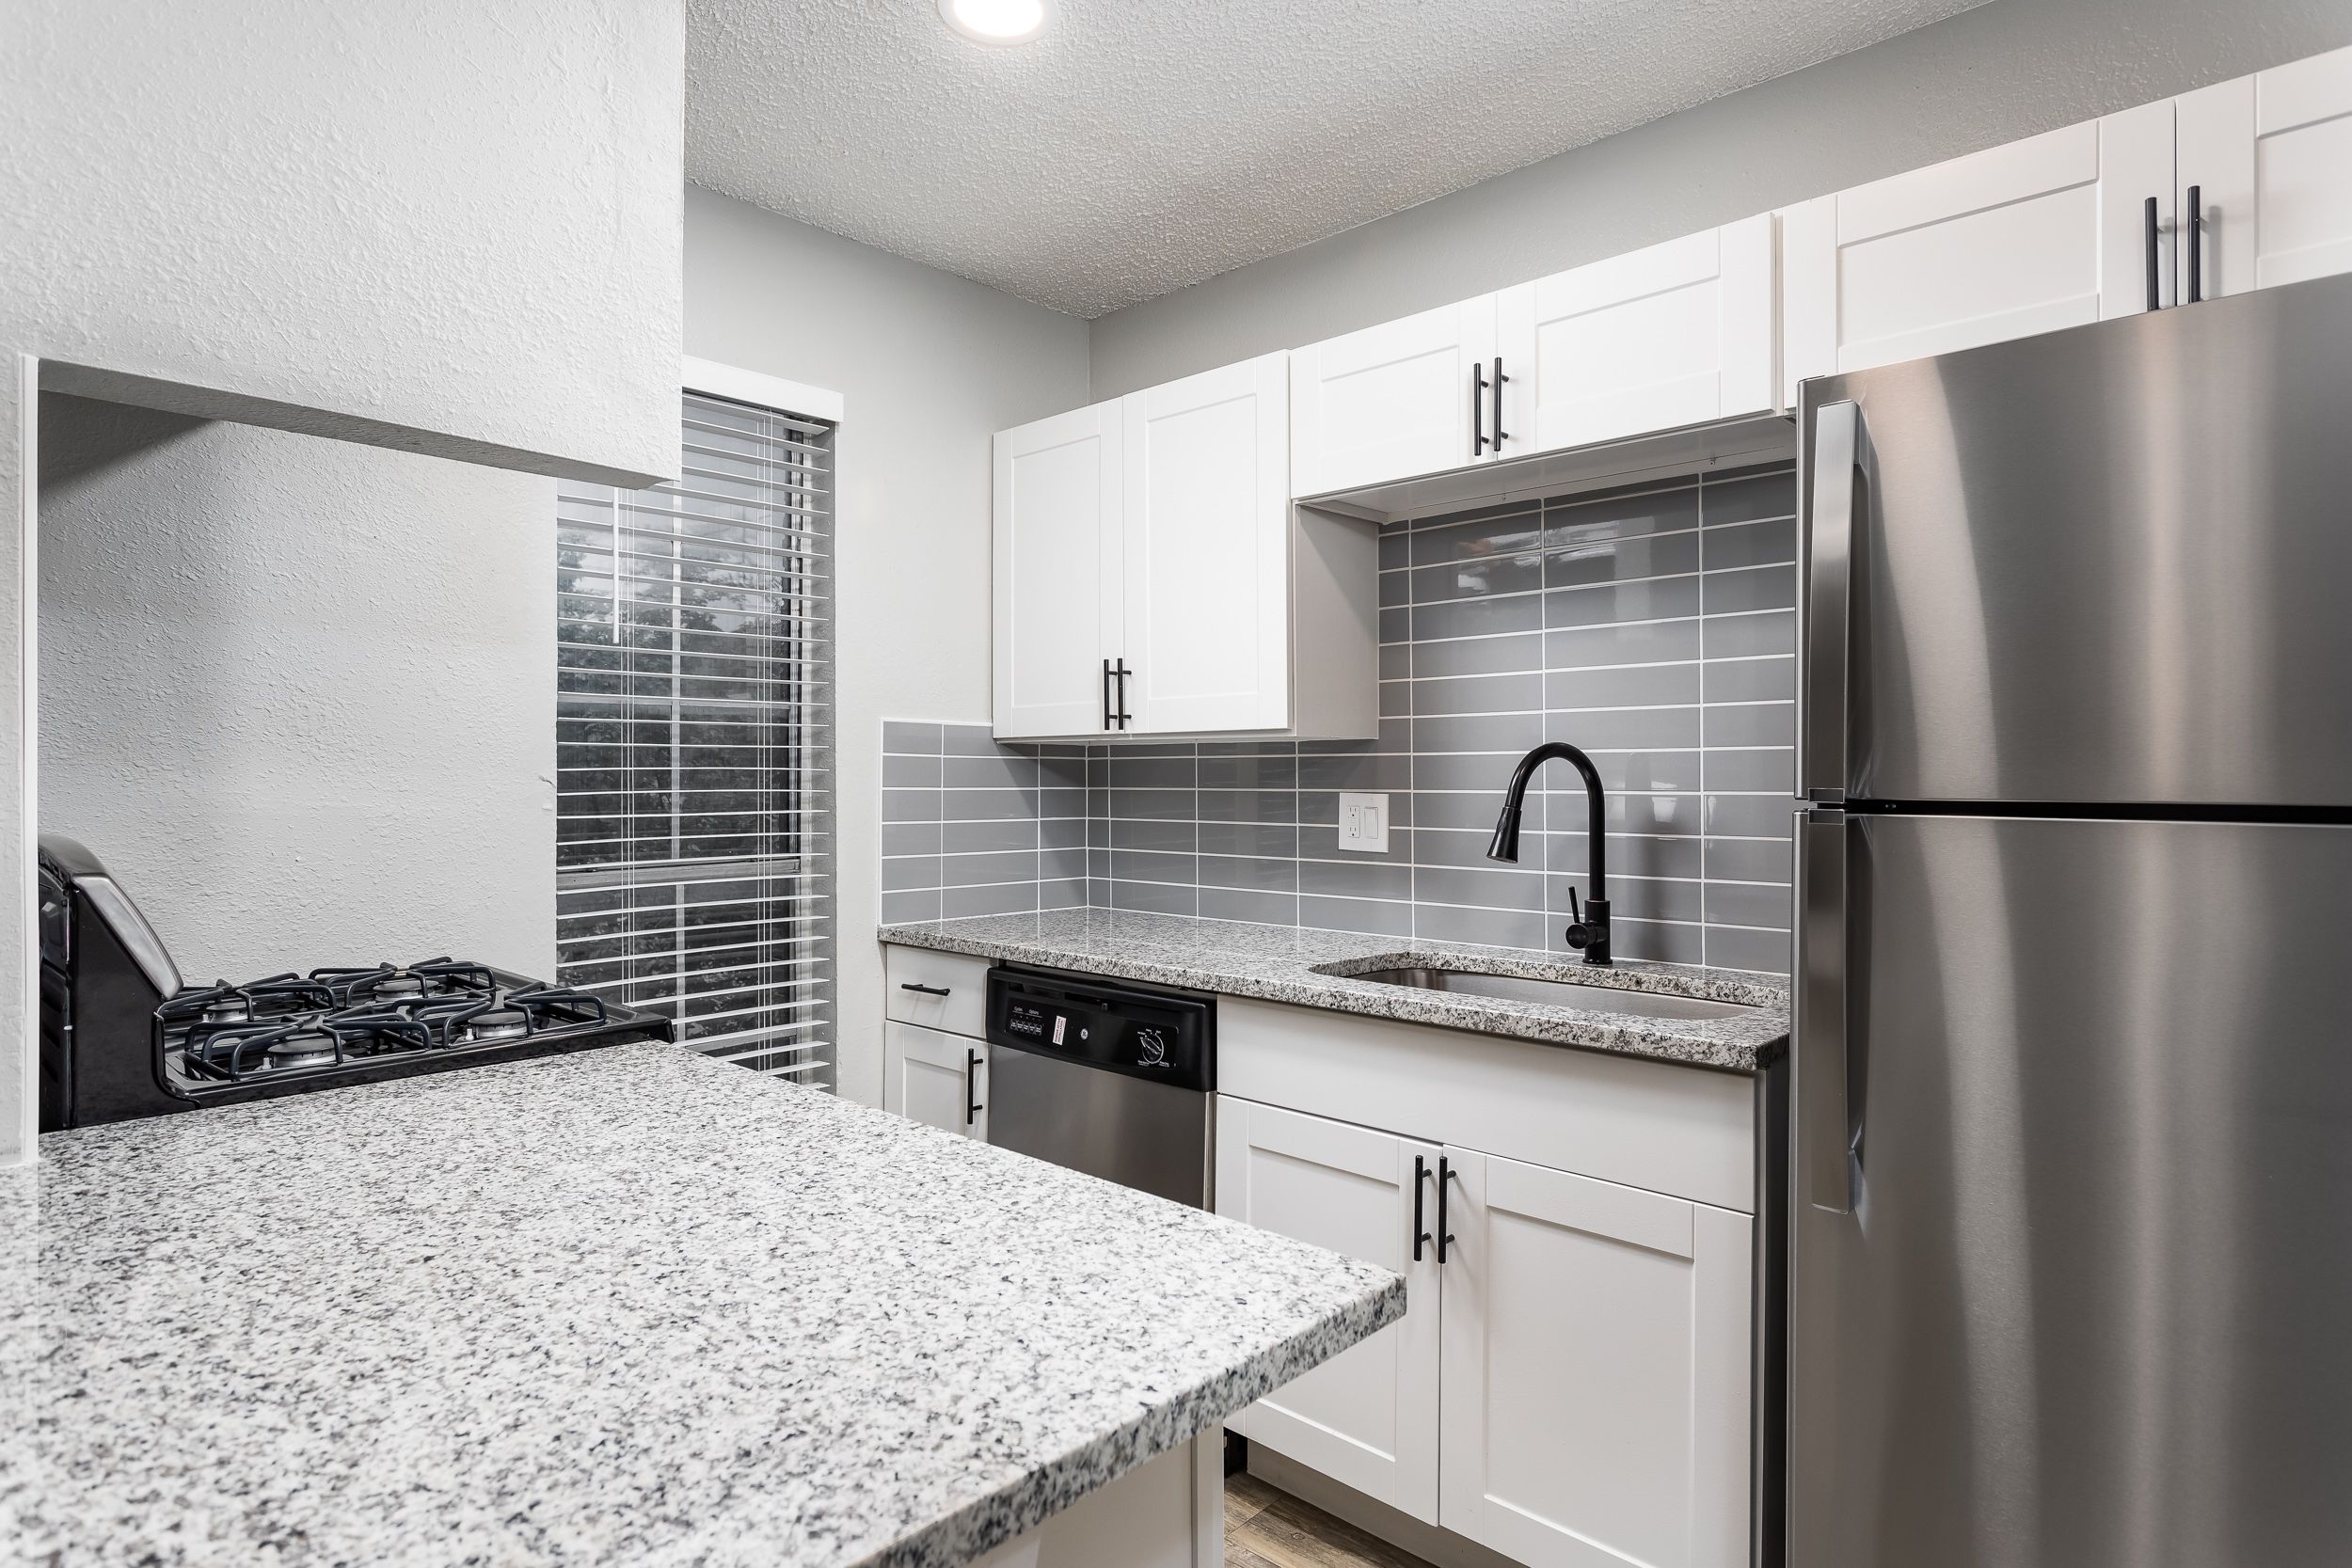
{"type": "Point", "coordinates": [447, 223]}
{"type": "Point", "coordinates": [1986, 76]}
{"type": "Point", "coordinates": [297, 695]}
{"type": "Point", "coordinates": [930, 367]}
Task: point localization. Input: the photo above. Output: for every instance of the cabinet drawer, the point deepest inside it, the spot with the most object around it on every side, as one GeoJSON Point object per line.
{"type": "Point", "coordinates": [964, 1010]}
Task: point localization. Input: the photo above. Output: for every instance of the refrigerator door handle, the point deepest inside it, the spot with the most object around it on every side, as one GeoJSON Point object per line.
{"type": "Point", "coordinates": [1824, 1138]}
{"type": "Point", "coordinates": [1837, 490]}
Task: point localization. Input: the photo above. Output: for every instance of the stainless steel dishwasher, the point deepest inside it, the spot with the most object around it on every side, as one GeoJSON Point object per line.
{"type": "Point", "coordinates": [1112, 1080]}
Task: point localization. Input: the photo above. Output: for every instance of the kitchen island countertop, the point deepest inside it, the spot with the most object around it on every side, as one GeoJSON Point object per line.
{"type": "Point", "coordinates": [1312, 968]}
{"type": "Point", "coordinates": [631, 1305]}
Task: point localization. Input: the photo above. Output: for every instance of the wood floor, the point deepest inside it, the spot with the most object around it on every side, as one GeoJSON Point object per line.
{"type": "Point", "coordinates": [1266, 1529]}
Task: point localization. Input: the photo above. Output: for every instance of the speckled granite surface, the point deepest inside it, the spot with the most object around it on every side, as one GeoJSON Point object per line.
{"type": "Point", "coordinates": [1315, 969]}
{"type": "Point", "coordinates": [627, 1306]}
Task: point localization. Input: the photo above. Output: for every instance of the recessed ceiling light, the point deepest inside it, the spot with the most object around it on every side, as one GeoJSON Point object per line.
{"type": "Point", "coordinates": [996, 20]}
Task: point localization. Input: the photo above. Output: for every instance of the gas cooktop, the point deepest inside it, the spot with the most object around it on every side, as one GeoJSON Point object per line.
{"type": "Point", "coordinates": [290, 1032]}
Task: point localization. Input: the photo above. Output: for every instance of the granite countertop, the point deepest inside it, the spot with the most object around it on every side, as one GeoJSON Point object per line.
{"type": "Point", "coordinates": [1316, 969]}
{"type": "Point", "coordinates": [627, 1307]}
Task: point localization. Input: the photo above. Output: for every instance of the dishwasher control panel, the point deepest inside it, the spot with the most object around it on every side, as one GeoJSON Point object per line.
{"type": "Point", "coordinates": [1144, 1034]}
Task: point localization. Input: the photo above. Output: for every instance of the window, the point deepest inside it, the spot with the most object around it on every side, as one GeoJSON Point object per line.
{"type": "Point", "coordinates": [693, 741]}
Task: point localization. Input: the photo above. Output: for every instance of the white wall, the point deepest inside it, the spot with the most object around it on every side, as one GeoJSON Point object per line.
{"type": "Point", "coordinates": [455, 218]}
{"type": "Point", "coordinates": [931, 366]}
{"type": "Point", "coordinates": [448, 225]}
{"type": "Point", "coordinates": [1986, 76]}
{"type": "Point", "coordinates": [298, 695]}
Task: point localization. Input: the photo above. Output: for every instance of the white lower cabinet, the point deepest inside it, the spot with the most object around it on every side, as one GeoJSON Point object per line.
{"type": "Point", "coordinates": [1595, 1370]}
{"type": "Point", "coordinates": [935, 1078]}
{"type": "Point", "coordinates": [1570, 1384]}
{"type": "Point", "coordinates": [1367, 1418]}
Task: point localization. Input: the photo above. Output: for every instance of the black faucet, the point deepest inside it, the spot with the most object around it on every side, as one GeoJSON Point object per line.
{"type": "Point", "coordinates": [1589, 932]}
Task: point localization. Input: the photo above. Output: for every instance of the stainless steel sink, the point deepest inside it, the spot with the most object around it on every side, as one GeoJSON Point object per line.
{"type": "Point", "coordinates": [1559, 993]}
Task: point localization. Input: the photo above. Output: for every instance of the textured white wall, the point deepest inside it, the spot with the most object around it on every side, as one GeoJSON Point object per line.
{"type": "Point", "coordinates": [450, 225]}
{"type": "Point", "coordinates": [298, 696]}
{"type": "Point", "coordinates": [1987, 76]}
{"type": "Point", "coordinates": [458, 217]}
{"type": "Point", "coordinates": [931, 366]}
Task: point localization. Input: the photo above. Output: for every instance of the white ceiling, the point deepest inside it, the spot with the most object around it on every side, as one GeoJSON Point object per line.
{"type": "Point", "coordinates": [1143, 144]}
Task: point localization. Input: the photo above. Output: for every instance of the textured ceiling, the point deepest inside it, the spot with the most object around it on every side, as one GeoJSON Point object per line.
{"type": "Point", "coordinates": [1143, 144]}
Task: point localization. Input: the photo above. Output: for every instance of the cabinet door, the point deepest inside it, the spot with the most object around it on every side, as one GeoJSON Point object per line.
{"type": "Point", "coordinates": [1678, 334]}
{"type": "Point", "coordinates": [1595, 1363]}
{"type": "Point", "coordinates": [1207, 555]}
{"type": "Point", "coordinates": [2271, 157]}
{"type": "Point", "coordinates": [1058, 494]}
{"type": "Point", "coordinates": [1395, 400]}
{"type": "Point", "coordinates": [1367, 1418]}
{"type": "Point", "coordinates": [2041, 234]}
{"type": "Point", "coordinates": [940, 1080]}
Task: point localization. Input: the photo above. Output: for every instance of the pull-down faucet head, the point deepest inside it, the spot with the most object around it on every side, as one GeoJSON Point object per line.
{"type": "Point", "coordinates": [1589, 931]}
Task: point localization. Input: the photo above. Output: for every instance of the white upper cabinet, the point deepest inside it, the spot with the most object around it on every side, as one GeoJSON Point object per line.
{"type": "Point", "coordinates": [1596, 1370]}
{"type": "Point", "coordinates": [1678, 334]}
{"type": "Point", "coordinates": [2040, 234]}
{"type": "Point", "coordinates": [1367, 1418]}
{"type": "Point", "coordinates": [1152, 577]}
{"type": "Point", "coordinates": [1404, 398]}
{"type": "Point", "coordinates": [1207, 547]}
{"type": "Point", "coordinates": [2270, 157]}
{"type": "Point", "coordinates": [1060, 486]}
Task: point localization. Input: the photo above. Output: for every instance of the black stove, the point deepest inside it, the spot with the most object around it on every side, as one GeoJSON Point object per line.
{"type": "Point", "coordinates": [122, 1037]}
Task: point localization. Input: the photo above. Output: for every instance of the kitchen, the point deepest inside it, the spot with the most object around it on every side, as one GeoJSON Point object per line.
{"type": "Point", "coordinates": [1353, 604]}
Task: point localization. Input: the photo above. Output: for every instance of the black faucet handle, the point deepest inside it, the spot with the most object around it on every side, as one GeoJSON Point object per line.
{"type": "Point", "coordinates": [1589, 932]}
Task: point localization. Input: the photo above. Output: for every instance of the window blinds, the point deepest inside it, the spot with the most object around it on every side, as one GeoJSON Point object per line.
{"type": "Point", "coordinates": [695, 742]}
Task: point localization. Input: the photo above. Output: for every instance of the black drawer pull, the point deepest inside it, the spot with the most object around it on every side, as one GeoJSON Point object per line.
{"type": "Point", "coordinates": [972, 1107]}
{"type": "Point", "coordinates": [2195, 244]}
{"type": "Point", "coordinates": [1421, 1180]}
{"type": "Point", "coordinates": [1445, 1175]}
{"type": "Point", "coordinates": [927, 990]}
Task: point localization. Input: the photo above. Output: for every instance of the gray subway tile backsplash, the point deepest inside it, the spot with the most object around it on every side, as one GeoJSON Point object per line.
{"type": "Point", "coordinates": [965, 829]}
{"type": "Point", "coordinates": [1651, 625]}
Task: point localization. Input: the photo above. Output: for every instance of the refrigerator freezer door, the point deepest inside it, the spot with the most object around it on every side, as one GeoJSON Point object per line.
{"type": "Point", "coordinates": [2107, 565]}
{"type": "Point", "coordinates": [2089, 1307]}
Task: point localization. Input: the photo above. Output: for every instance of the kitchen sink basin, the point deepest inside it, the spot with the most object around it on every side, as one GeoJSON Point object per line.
{"type": "Point", "coordinates": [1558, 993]}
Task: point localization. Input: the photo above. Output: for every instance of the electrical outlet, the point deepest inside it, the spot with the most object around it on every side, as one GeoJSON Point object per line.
{"type": "Point", "coordinates": [1364, 823]}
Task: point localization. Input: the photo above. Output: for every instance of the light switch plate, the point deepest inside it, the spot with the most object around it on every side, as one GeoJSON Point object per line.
{"type": "Point", "coordinates": [1364, 823]}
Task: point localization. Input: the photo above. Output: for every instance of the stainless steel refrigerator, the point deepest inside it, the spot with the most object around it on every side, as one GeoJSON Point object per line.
{"type": "Point", "coordinates": [2071, 1233]}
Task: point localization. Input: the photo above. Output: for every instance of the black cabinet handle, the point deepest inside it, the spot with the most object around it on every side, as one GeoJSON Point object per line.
{"type": "Point", "coordinates": [1445, 1174]}
{"type": "Point", "coordinates": [2155, 299]}
{"type": "Point", "coordinates": [1122, 719]}
{"type": "Point", "coordinates": [2195, 244]}
{"type": "Point", "coordinates": [1106, 693]}
{"type": "Point", "coordinates": [971, 1082]}
{"type": "Point", "coordinates": [1421, 1180]}
{"type": "Point", "coordinates": [927, 990]}
{"type": "Point", "coordinates": [1500, 434]}
{"type": "Point", "coordinates": [1478, 408]}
